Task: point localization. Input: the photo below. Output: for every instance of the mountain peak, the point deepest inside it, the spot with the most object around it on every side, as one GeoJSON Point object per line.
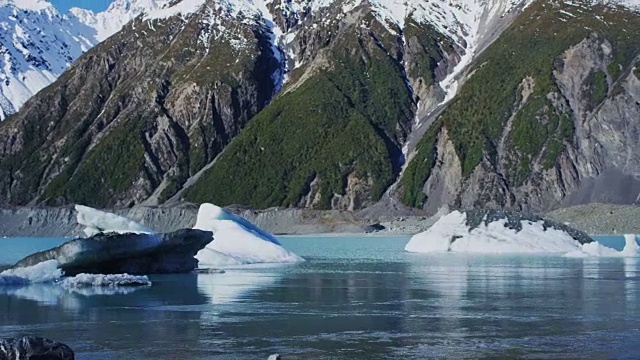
{"type": "Point", "coordinates": [35, 5]}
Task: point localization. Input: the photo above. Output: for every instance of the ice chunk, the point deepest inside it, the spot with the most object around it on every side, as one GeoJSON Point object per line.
{"type": "Point", "coordinates": [137, 254]}
{"type": "Point", "coordinates": [452, 233]}
{"type": "Point", "coordinates": [96, 221]}
{"type": "Point", "coordinates": [631, 247]}
{"type": "Point", "coordinates": [46, 271]}
{"type": "Point", "coordinates": [237, 241]}
{"type": "Point", "coordinates": [101, 280]}
{"type": "Point", "coordinates": [497, 232]}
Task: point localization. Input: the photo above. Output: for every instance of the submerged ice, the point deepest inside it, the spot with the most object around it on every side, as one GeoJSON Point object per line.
{"type": "Point", "coordinates": [496, 232]}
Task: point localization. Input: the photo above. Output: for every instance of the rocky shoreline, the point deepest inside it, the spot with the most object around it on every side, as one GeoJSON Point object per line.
{"type": "Point", "coordinates": [61, 221]}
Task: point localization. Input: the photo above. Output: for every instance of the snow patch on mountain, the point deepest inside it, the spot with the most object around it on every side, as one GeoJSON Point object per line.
{"type": "Point", "coordinates": [38, 43]}
{"type": "Point", "coordinates": [183, 8]}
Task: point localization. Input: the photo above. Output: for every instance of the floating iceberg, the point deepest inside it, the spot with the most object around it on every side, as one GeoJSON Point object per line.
{"type": "Point", "coordinates": [46, 271]}
{"type": "Point", "coordinates": [49, 272]}
{"type": "Point", "coordinates": [631, 249]}
{"type": "Point", "coordinates": [96, 221]}
{"type": "Point", "coordinates": [237, 241]}
{"type": "Point", "coordinates": [131, 253]}
{"type": "Point", "coordinates": [500, 232]}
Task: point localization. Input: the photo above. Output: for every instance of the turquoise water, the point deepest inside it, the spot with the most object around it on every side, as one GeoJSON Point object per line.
{"type": "Point", "coordinates": [354, 298]}
{"type": "Point", "coordinates": [14, 249]}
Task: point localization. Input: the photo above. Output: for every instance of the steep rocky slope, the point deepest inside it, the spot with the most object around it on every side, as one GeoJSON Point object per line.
{"type": "Point", "coordinates": [147, 112]}
{"type": "Point", "coordinates": [548, 117]}
{"type": "Point", "coordinates": [140, 112]}
{"type": "Point", "coordinates": [338, 104]}
{"type": "Point", "coordinates": [334, 137]}
{"type": "Point", "coordinates": [38, 43]}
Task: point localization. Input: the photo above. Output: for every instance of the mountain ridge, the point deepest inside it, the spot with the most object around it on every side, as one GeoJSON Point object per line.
{"type": "Point", "coordinates": [297, 104]}
{"type": "Point", "coordinates": [38, 43]}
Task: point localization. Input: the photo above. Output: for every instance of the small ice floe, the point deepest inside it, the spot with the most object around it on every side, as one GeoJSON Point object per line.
{"type": "Point", "coordinates": [109, 280]}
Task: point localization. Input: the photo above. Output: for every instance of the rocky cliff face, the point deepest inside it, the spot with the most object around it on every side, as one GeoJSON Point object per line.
{"type": "Point", "coordinates": [335, 105]}
{"type": "Point", "coordinates": [562, 129]}
{"type": "Point", "coordinates": [143, 117]}
{"type": "Point", "coordinates": [138, 114]}
{"type": "Point", "coordinates": [38, 43]}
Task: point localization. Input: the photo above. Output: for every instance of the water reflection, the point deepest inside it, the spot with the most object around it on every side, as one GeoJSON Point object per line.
{"type": "Point", "coordinates": [237, 283]}
{"type": "Point", "coordinates": [459, 307]}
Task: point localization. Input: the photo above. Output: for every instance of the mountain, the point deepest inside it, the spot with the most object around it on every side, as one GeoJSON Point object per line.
{"type": "Point", "coordinates": [340, 104]}
{"type": "Point", "coordinates": [37, 43]}
{"type": "Point", "coordinates": [541, 129]}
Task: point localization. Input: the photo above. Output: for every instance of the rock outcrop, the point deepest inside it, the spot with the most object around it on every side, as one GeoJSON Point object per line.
{"type": "Point", "coordinates": [558, 128]}
{"type": "Point", "coordinates": [34, 348]}
{"type": "Point", "coordinates": [137, 254]}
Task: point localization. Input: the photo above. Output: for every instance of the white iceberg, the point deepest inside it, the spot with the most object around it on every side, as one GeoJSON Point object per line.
{"type": "Point", "coordinates": [496, 232]}
{"type": "Point", "coordinates": [46, 271]}
{"type": "Point", "coordinates": [237, 241]}
{"type": "Point", "coordinates": [109, 280]}
{"type": "Point", "coordinates": [96, 221]}
{"type": "Point", "coordinates": [595, 249]}
{"type": "Point", "coordinates": [49, 272]}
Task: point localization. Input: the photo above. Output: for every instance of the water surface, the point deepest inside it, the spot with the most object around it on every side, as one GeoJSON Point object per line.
{"type": "Point", "coordinates": [354, 298]}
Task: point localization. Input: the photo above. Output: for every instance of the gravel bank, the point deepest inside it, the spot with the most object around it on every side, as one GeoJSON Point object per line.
{"type": "Point", "coordinates": [594, 219]}
{"type": "Point", "coordinates": [600, 219]}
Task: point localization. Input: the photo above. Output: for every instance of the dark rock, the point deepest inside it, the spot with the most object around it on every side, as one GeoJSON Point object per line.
{"type": "Point", "coordinates": [514, 221]}
{"type": "Point", "coordinates": [374, 228]}
{"type": "Point", "coordinates": [34, 348]}
{"type": "Point", "coordinates": [135, 254]}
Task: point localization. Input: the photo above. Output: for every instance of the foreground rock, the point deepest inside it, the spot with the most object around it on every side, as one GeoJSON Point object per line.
{"type": "Point", "coordinates": [34, 348]}
{"type": "Point", "coordinates": [126, 253]}
{"type": "Point", "coordinates": [494, 231]}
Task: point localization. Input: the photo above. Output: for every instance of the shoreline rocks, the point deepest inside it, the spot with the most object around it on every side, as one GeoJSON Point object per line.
{"type": "Point", "coordinates": [34, 348]}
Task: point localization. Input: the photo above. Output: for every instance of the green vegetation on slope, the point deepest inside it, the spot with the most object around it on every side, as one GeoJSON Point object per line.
{"type": "Point", "coordinates": [109, 168]}
{"type": "Point", "coordinates": [477, 117]}
{"type": "Point", "coordinates": [342, 120]}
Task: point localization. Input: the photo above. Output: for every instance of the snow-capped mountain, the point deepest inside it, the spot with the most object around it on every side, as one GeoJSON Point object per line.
{"type": "Point", "coordinates": [333, 104]}
{"type": "Point", "coordinates": [38, 43]}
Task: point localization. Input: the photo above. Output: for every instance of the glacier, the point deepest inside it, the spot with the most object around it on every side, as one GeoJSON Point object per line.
{"type": "Point", "coordinates": [43, 272]}
{"type": "Point", "coordinates": [237, 241]}
{"type": "Point", "coordinates": [496, 232]}
{"type": "Point", "coordinates": [138, 254]}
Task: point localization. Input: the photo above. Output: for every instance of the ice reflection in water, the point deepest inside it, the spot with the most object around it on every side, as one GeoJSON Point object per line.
{"type": "Point", "coordinates": [357, 299]}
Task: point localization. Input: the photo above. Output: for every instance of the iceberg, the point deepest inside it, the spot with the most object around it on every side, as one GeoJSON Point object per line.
{"type": "Point", "coordinates": [237, 241]}
{"type": "Point", "coordinates": [42, 272]}
{"type": "Point", "coordinates": [502, 232]}
{"type": "Point", "coordinates": [595, 249]}
{"type": "Point", "coordinates": [136, 254]}
{"type": "Point", "coordinates": [96, 222]}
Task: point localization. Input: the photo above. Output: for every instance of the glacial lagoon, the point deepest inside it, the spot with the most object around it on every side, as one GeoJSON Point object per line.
{"type": "Point", "coordinates": [356, 297]}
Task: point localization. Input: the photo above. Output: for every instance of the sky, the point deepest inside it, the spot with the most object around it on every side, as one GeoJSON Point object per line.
{"type": "Point", "coordinates": [95, 5]}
